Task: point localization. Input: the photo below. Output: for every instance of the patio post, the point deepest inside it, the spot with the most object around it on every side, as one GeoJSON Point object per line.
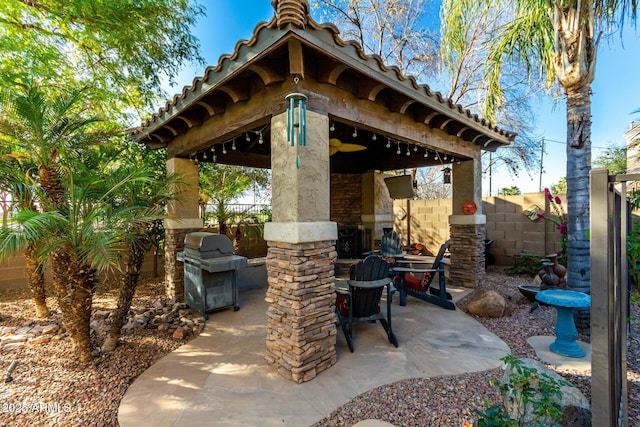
{"type": "Point", "coordinates": [301, 330]}
{"type": "Point", "coordinates": [182, 219]}
{"type": "Point", "coordinates": [467, 231]}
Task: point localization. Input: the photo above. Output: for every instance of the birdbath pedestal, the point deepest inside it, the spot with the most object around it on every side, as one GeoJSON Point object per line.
{"type": "Point", "coordinates": [565, 303]}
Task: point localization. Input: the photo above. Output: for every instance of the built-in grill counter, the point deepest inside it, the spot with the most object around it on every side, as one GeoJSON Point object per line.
{"type": "Point", "coordinates": [210, 270]}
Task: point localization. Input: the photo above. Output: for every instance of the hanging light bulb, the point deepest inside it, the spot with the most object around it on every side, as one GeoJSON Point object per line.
{"type": "Point", "coordinates": [457, 161]}
{"type": "Point", "coordinates": [415, 148]}
{"type": "Point", "coordinates": [408, 151]}
{"type": "Point", "coordinates": [260, 140]}
{"type": "Point", "coordinates": [374, 137]}
{"type": "Point", "coordinates": [224, 149]}
{"type": "Point", "coordinates": [426, 153]}
{"type": "Point", "coordinates": [204, 155]}
{"type": "Point", "coordinates": [355, 133]}
{"type": "Point", "coordinates": [332, 127]}
{"type": "Point", "coordinates": [233, 145]}
{"type": "Point", "coordinates": [445, 156]}
{"type": "Point", "coordinates": [398, 152]}
{"type": "Point", "coordinates": [437, 156]}
{"type": "Point", "coordinates": [247, 138]}
{"type": "Point", "coordinates": [388, 143]}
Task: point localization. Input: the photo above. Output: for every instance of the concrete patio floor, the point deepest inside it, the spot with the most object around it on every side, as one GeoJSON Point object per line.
{"type": "Point", "coordinates": [221, 378]}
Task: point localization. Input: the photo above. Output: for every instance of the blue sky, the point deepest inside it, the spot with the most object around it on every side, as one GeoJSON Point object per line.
{"type": "Point", "coordinates": [616, 89]}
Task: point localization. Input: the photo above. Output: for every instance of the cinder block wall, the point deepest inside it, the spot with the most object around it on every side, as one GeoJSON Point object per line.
{"type": "Point", "coordinates": [511, 230]}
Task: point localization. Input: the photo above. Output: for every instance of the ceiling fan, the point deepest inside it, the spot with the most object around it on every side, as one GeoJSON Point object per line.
{"type": "Point", "coordinates": [335, 145]}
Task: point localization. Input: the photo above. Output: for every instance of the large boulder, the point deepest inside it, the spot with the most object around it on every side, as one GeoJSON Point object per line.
{"type": "Point", "coordinates": [575, 407]}
{"type": "Point", "coordinates": [488, 304]}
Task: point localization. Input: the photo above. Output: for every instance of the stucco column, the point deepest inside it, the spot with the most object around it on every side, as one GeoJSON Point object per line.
{"type": "Point", "coordinates": [301, 330]}
{"type": "Point", "coordinates": [377, 205]}
{"type": "Point", "coordinates": [467, 231]}
{"type": "Point", "coordinates": [182, 219]}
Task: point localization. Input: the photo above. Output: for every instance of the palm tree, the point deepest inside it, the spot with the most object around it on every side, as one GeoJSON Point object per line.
{"type": "Point", "coordinates": [37, 129]}
{"type": "Point", "coordinates": [558, 39]}
{"type": "Point", "coordinates": [15, 175]}
{"type": "Point", "coordinates": [150, 195]}
{"type": "Point", "coordinates": [83, 239]}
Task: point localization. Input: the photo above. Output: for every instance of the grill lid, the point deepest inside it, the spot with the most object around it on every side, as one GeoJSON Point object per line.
{"type": "Point", "coordinates": [208, 245]}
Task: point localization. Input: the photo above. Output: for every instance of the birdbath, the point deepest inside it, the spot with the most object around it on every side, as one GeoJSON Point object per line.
{"type": "Point", "coordinates": [566, 334]}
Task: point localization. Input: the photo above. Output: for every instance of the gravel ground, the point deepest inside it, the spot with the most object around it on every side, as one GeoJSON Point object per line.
{"type": "Point", "coordinates": [50, 389]}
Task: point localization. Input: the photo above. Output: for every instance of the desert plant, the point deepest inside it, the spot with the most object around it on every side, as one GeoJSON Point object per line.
{"type": "Point", "coordinates": [529, 389]}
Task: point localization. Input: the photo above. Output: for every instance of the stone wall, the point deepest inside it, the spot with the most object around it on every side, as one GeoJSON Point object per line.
{"type": "Point", "coordinates": [174, 269]}
{"type": "Point", "coordinates": [301, 328]}
{"type": "Point", "coordinates": [511, 230]}
{"type": "Point", "coordinates": [346, 199]}
{"type": "Point", "coordinates": [467, 255]}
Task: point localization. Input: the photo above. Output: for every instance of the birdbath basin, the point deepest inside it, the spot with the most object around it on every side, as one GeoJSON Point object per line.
{"type": "Point", "coordinates": [566, 334]}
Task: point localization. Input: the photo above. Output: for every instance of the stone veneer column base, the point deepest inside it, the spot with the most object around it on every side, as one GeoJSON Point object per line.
{"type": "Point", "coordinates": [301, 322]}
{"type": "Point", "coordinates": [467, 268]}
{"type": "Point", "coordinates": [174, 269]}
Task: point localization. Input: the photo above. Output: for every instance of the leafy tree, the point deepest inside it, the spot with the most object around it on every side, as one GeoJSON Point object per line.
{"type": "Point", "coordinates": [431, 185]}
{"type": "Point", "coordinates": [222, 184]}
{"type": "Point", "coordinates": [403, 35]}
{"type": "Point", "coordinates": [558, 41]}
{"type": "Point", "coordinates": [560, 187]}
{"type": "Point", "coordinates": [614, 159]}
{"type": "Point", "coordinates": [509, 191]}
{"type": "Point", "coordinates": [123, 47]}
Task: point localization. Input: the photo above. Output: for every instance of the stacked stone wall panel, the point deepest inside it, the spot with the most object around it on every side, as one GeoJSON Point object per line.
{"type": "Point", "coordinates": [301, 328]}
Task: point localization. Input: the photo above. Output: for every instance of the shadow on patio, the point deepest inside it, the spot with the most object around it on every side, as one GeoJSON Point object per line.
{"type": "Point", "coordinates": [221, 377]}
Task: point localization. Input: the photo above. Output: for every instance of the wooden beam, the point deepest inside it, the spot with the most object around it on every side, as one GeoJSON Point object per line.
{"type": "Point", "coordinates": [296, 58]}
{"type": "Point", "coordinates": [369, 89]}
{"type": "Point", "coordinates": [268, 71]}
{"type": "Point", "coordinates": [237, 89]}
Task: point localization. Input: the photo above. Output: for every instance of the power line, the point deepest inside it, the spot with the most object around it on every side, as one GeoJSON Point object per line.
{"type": "Point", "coordinates": [565, 143]}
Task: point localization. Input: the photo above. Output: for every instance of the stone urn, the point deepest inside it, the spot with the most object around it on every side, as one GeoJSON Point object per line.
{"type": "Point", "coordinates": [549, 279]}
{"type": "Point", "coordinates": [558, 269]}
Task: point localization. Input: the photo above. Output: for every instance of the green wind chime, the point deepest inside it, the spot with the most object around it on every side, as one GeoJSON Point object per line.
{"type": "Point", "coordinates": [299, 101]}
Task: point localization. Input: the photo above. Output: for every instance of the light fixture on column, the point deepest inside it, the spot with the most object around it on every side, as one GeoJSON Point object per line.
{"type": "Point", "coordinates": [447, 175]}
{"type": "Point", "coordinates": [299, 101]}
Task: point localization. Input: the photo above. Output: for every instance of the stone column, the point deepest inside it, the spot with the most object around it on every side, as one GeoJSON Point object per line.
{"type": "Point", "coordinates": [467, 232]}
{"type": "Point", "coordinates": [301, 330]}
{"type": "Point", "coordinates": [377, 205]}
{"type": "Point", "coordinates": [182, 219]}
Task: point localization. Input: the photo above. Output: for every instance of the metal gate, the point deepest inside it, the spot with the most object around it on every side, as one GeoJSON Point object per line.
{"type": "Point", "coordinates": [610, 295]}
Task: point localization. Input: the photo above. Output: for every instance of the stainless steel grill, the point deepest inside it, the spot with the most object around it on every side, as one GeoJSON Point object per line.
{"type": "Point", "coordinates": [210, 269]}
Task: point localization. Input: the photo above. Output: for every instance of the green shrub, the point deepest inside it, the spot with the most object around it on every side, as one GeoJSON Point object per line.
{"type": "Point", "coordinates": [524, 263]}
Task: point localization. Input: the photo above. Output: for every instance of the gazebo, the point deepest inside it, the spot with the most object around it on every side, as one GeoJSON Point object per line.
{"type": "Point", "coordinates": [327, 119]}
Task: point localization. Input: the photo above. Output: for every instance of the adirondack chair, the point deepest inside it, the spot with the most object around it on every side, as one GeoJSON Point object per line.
{"type": "Point", "coordinates": [420, 286]}
{"type": "Point", "coordinates": [360, 301]}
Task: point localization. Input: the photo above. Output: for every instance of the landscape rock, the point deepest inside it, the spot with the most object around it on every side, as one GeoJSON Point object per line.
{"type": "Point", "coordinates": [489, 304]}
{"type": "Point", "coordinates": [178, 334]}
{"type": "Point", "coordinates": [571, 399]}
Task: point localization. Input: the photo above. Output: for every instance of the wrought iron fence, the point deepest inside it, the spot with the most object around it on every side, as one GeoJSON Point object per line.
{"type": "Point", "coordinates": [610, 217]}
{"type": "Point", "coordinates": [237, 213]}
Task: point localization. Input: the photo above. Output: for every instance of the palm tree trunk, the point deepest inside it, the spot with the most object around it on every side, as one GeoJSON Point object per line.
{"type": "Point", "coordinates": [578, 167]}
{"type": "Point", "coordinates": [35, 281]}
{"type": "Point", "coordinates": [52, 187]}
{"type": "Point", "coordinates": [74, 283]}
{"type": "Point", "coordinates": [127, 291]}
